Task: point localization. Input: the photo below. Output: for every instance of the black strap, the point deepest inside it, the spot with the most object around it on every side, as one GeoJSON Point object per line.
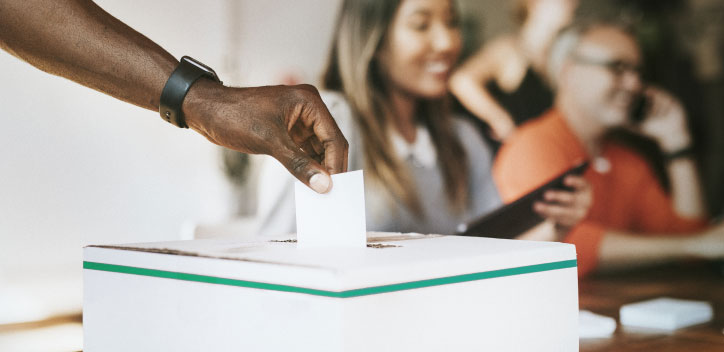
{"type": "Point", "coordinates": [178, 85]}
{"type": "Point", "coordinates": [678, 154]}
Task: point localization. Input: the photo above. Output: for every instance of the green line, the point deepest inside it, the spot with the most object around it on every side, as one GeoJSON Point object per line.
{"type": "Point", "coordinates": [336, 294]}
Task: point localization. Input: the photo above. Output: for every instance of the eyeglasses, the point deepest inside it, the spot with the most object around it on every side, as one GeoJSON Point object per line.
{"type": "Point", "coordinates": [617, 67]}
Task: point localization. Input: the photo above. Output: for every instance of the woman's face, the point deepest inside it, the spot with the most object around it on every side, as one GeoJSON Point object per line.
{"type": "Point", "coordinates": [421, 47]}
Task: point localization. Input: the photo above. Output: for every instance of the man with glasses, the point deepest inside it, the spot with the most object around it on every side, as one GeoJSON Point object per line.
{"type": "Point", "coordinates": [633, 220]}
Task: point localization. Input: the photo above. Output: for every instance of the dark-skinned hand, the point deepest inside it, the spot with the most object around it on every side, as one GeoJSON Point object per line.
{"type": "Point", "coordinates": [290, 123]}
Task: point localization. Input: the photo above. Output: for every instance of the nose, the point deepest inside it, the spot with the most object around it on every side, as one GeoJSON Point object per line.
{"type": "Point", "coordinates": [445, 40]}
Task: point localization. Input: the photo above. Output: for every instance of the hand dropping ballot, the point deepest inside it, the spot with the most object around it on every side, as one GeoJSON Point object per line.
{"type": "Point", "coordinates": [333, 219]}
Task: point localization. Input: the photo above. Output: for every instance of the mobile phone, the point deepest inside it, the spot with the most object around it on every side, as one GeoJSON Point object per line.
{"type": "Point", "coordinates": [511, 220]}
{"type": "Point", "coordinates": [639, 108]}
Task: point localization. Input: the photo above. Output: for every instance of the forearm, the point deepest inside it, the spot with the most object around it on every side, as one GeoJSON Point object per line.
{"type": "Point", "coordinates": [77, 40]}
{"type": "Point", "coordinates": [686, 194]}
{"type": "Point", "coordinates": [619, 250]}
{"type": "Point", "coordinates": [473, 95]}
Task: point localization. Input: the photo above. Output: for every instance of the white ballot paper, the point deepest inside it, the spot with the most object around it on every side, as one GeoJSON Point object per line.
{"type": "Point", "coordinates": [333, 219]}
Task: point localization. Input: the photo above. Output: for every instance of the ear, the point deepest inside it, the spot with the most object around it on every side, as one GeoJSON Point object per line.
{"type": "Point", "coordinates": [565, 74]}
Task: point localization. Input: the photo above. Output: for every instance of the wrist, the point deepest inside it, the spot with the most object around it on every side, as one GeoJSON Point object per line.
{"type": "Point", "coordinates": [673, 144]}
{"type": "Point", "coordinates": [201, 101]}
{"type": "Point", "coordinates": [177, 87]}
{"type": "Point", "coordinates": [683, 153]}
{"type": "Point", "coordinates": [502, 117]}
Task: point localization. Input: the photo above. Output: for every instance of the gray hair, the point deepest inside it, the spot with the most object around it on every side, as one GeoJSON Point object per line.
{"type": "Point", "coordinates": [563, 46]}
{"type": "Point", "coordinates": [567, 40]}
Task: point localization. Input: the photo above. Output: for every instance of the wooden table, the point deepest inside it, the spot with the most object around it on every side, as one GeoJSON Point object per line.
{"type": "Point", "coordinates": [602, 294]}
{"type": "Point", "coordinates": [605, 294]}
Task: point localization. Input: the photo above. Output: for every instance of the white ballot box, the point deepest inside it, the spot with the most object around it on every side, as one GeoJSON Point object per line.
{"type": "Point", "coordinates": [403, 292]}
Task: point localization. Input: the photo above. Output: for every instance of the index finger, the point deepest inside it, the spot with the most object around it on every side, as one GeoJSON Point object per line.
{"type": "Point", "coordinates": [577, 182]}
{"type": "Point", "coordinates": [563, 197]}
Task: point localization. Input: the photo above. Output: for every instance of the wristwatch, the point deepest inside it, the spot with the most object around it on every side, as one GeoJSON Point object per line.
{"type": "Point", "coordinates": [178, 84]}
{"type": "Point", "coordinates": [685, 152]}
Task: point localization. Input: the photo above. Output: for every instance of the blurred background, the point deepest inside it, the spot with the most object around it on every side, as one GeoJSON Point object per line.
{"type": "Point", "coordinates": [79, 167]}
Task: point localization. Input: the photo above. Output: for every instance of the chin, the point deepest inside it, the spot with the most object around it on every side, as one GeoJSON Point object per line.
{"type": "Point", "coordinates": [433, 92]}
{"type": "Point", "coordinates": [614, 118]}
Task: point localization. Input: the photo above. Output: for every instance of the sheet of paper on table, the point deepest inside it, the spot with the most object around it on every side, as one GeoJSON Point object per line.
{"type": "Point", "coordinates": [594, 326]}
{"type": "Point", "coordinates": [333, 219]}
{"type": "Point", "coordinates": [666, 313]}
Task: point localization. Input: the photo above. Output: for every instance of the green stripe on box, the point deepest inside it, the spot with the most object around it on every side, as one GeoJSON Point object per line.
{"type": "Point", "coordinates": [528, 269]}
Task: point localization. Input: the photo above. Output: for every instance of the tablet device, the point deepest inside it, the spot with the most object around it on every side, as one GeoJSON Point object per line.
{"type": "Point", "coordinates": [517, 217]}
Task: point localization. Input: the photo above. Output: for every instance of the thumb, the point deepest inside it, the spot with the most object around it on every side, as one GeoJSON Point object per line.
{"type": "Point", "coordinates": [305, 169]}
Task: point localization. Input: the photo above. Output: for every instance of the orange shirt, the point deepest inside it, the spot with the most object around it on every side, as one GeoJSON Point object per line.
{"type": "Point", "coordinates": [626, 197]}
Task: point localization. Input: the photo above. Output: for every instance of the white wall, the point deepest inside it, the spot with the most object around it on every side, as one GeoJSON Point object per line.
{"type": "Point", "coordinates": [284, 36]}
{"type": "Point", "coordinates": [78, 167]}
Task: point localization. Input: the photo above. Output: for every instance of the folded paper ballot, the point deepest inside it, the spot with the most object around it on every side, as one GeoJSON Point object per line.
{"type": "Point", "coordinates": [666, 313]}
{"type": "Point", "coordinates": [321, 216]}
{"type": "Point", "coordinates": [593, 326]}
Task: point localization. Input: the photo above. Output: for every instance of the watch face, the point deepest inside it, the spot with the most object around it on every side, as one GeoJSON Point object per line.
{"type": "Point", "coordinates": [201, 66]}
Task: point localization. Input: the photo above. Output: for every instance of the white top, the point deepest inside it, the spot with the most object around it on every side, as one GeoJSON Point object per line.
{"type": "Point", "coordinates": [421, 152]}
{"type": "Point", "coordinates": [276, 213]}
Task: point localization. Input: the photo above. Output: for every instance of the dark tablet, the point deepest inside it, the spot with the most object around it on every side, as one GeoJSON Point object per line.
{"type": "Point", "coordinates": [515, 218]}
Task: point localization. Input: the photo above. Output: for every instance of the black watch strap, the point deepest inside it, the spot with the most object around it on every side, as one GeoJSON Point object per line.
{"type": "Point", "coordinates": [685, 152]}
{"type": "Point", "coordinates": [178, 84]}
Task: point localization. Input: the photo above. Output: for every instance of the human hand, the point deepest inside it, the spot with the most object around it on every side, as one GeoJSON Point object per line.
{"type": "Point", "coordinates": [566, 208]}
{"type": "Point", "coordinates": [665, 121]}
{"type": "Point", "coordinates": [290, 123]}
{"type": "Point", "coordinates": [501, 128]}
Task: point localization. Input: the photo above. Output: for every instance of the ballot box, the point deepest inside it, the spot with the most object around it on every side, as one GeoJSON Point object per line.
{"type": "Point", "coordinates": [403, 292]}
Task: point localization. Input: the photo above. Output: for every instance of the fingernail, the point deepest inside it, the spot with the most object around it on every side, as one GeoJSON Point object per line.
{"type": "Point", "coordinates": [320, 183]}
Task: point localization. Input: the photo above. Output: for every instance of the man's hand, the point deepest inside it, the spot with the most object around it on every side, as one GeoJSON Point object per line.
{"type": "Point", "coordinates": [565, 208]}
{"type": "Point", "coordinates": [665, 121]}
{"type": "Point", "coordinates": [290, 123]}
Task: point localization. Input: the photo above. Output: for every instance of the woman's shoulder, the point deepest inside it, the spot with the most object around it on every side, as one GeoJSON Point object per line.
{"type": "Point", "coordinates": [340, 110]}
{"type": "Point", "coordinates": [333, 99]}
{"type": "Point", "coordinates": [463, 126]}
{"type": "Point", "coordinates": [468, 134]}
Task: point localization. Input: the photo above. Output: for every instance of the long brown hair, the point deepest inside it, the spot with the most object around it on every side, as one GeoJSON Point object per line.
{"type": "Point", "coordinates": [352, 69]}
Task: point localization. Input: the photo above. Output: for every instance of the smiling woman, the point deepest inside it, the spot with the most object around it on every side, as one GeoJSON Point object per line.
{"type": "Point", "coordinates": [407, 52]}
{"type": "Point", "coordinates": [388, 70]}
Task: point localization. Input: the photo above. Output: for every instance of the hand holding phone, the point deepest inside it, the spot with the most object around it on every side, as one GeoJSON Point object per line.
{"type": "Point", "coordinates": [569, 205]}
{"type": "Point", "coordinates": [639, 109]}
{"type": "Point", "coordinates": [661, 117]}
{"type": "Point", "coordinates": [512, 220]}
